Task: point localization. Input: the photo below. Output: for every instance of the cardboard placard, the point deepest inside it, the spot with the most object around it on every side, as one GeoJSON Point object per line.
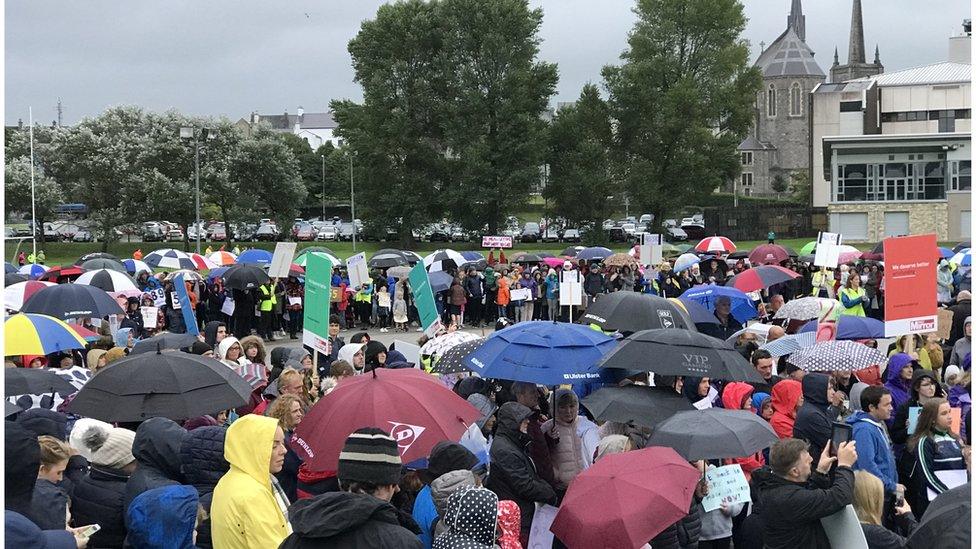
{"type": "Point", "coordinates": [358, 272]}
{"type": "Point", "coordinates": [955, 419]}
{"type": "Point", "coordinates": [335, 296]}
{"type": "Point", "coordinates": [521, 294]}
{"type": "Point", "coordinates": [725, 484]}
{"type": "Point", "coordinates": [284, 254]}
{"type": "Point", "coordinates": [409, 351]}
{"type": "Point", "coordinates": [828, 250]}
{"type": "Point", "coordinates": [570, 294]}
{"type": "Point", "coordinates": [539, 535]}
{"type": "Point", "coordinates": [944, 324]}
{"type": "Point", "coordinates": [844, 530]}
{"type": "Point", "coordinates": [149, 316]}
{"type": "Point", "coordinates": [910, 279]}
{"type": "Point", "coordinates": [496, 242]}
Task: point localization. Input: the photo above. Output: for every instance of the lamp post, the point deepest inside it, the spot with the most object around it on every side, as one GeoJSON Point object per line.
{"type": "Point", "coordinates": [323, 187]}
{"type": "Point", "coordinates": [190, 132]}
{"type": "Point", "coordinates": [352, 202]}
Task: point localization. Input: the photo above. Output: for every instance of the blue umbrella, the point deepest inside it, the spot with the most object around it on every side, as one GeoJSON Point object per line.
{"type": "Point", "coordinates": [946, 253]}
{"type": "Point", "coordinates": [8, 267]}
{"type": "Point", "coordinates": [852, 327]}
{"type": "Point", "coordinates": [706, 294]}
{"type": "Point", "coordinates": [596, 253]}
{"type": "Point", "coordinates": [472, 256]}
{"type": "Point", "coordinates": [439, 281]}
{"type": "Point", "coordinates": [217, 273]}
{"type": "Point", "coordinates": [549, 353]}
{"type": "Point", "coordinates": [255, 255]}
{"type": "Point", "coordinates": [698, 313]}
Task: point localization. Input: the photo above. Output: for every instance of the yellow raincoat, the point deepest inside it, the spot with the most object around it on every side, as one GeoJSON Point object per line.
{"type": "Point", "coordinates": [244, 513]}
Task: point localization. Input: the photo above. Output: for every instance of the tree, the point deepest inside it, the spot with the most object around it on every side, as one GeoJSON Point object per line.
{"type": "Point", "coordinates": [800, 186]}
{"type": "Point", "coordinates": [498, 92]}
{"type": "Point", "coordinates": [17, 191]}
{"type": "Point", "coordinates": [266, 168]}
{"type": "Point", "coordinates": [231, 196]}
{"type": "Point", "coordinates": [682, 101]}
{"type": "Point", "coordinates": [779, 183]}
{"type": "Point", "coordinates": [579, 183]}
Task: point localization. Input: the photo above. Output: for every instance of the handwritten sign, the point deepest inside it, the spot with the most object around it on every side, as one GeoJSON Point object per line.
{"type": "Point", "coordinates": [149, 316]}
{"type": "Point", "coordinates": [358, 273]}
{"type": "Point", "coordinates": [828, 250]}
{"type": "Point", "coordinates": [539, 535]}
{"type": "Point", "coordinates": [496, 242]}
{"type": "Point", "coordinates": [159, 297]}
{"type": "Point", "coordinates": [521, 294]}
{"type": "Point", "coordinates": [725, 484]}
{"type": "Point", "coordinates": [284, 254]}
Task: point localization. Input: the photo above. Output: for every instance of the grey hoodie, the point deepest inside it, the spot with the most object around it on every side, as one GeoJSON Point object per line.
{"type": "Point", "coordinates": [443, 487]}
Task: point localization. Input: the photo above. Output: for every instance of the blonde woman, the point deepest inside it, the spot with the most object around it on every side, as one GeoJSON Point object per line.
{"type": "Point", "coordinates": [50, 499]}
{"type": "Point", "coordinates": [289, 410]}
{"type": "Point", "coordinates": [869, 506]}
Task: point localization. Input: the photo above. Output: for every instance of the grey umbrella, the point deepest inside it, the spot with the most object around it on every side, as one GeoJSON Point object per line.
{"type": "Point", "coordinates": [638, 404]}
{"type": "Point", "coordinates": [34, 381]}
{"type": "Point", "coordinates": [161, 342]}
{"type": "Point", "coordinates": [103, 263]}
{"type": "Point", "coordinates": [715, 433]}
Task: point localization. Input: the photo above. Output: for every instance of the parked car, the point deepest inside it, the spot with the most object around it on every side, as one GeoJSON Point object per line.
{"type": "Point", "coordinates": [153, 234]}
{"type": "Point", "coordinates": [676, 234]}
{"type": "Point", "coordinates": [551, 235]}
{"type": "Point", "coordinates": [218, 232]}
{"type": "Point", "coordinates": [630, 229]}
{"type": "Point", "coordinates": [439, 233]}
{"type": "Point", "coordinates": [571, 235]}
{"type": "Point", "coordinates": [244, 232]}
{"type": "Point", "coordinates": [327, 232]}
{"type": "Point", "coordinates": [83, 235]}
{"type": "Point", "coordinates": [267, 232]}
{"type": "Point", "coordinates": [459, 235]}
{"type": "Point", "coordinates": [695, 231]}
{"type": "Point", "coordinates": [304, 232]}
{"type": "Point", "coordinates": [174, 235]}
{"type": "Point", "coordinates": [646, 219]}
{"type": "Point", "coordinates": [530, 232]}
{"type": "Point", "coordinates": [617, 234]}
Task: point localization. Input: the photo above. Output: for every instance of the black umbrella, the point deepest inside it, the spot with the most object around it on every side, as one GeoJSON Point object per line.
{"type": "Point", "coordinates": [66, 301]}
{"type": "Point", "coordinates": [451, 361]}
{"type": "Point", "coordinates": [386, 260]}
{"type": "Point", "coordinates": [10, 279]}
{"type": "Point", "coordinates": [632, 312]}
{"type": "Point", "coordinates": [245, 276]}
{"type": "Point", "coordinates": [10, 409]}
{"type": "Point", "coordinates": [104, 263]}
{"type": "Point", "coordinates": [528, 258]}
{"type": "Point", "coordinates": [790, 251]}
{"type": "Point", "coordinates": [97, 255]}
{"type": "Point", "coordinates": [34, 381]}
{"type": "Point", "coordinates": [961, 246]}
{"type": "Point", "coordinates": [680, 353]}
{"type": "Point", "coordinates": [739, 254]}
{"type": "Point", "coordinates": [638, 404]}
{"type": "Point", "coordinates": [9, 268]}
{"type": "Point", "coordinates": [169, 384]}
{"type": "Point", "coordinates": [571, 251]}
{"type": "Point", "coordinates": [714, 433]}
{"type": "Point", "coordinates": [946, 522]}
{"type": "Point", "coordinates": [164, 341]}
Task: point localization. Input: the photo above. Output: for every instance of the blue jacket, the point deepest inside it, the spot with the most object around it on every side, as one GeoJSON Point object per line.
{"type": "Point", "coordinates": [874, 453]}
{"type": "Point", "coordinates": [19, 531]}
{"type": "Point", "coordinates": [425, 513]}
{"type": "Point", "coordinates": [163, 518]}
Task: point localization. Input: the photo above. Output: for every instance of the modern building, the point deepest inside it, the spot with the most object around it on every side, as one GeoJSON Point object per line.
{"type": "Point", "coordinates": [892, 153]}
{"type": "Point", "coordinates": [316, 128]}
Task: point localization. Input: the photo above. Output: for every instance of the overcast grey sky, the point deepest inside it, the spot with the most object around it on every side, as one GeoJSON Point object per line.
{"type": "Point", "coordinates": [229, 58]}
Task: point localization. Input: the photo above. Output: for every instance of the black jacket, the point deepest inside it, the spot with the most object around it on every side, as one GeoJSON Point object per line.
{"type": "Point", "coordinates": [792, 511]}
{"type": "Point", "coordinates": [202, 461]}
{"type": "Point", "coordinates": [512, 474]}
{"type": "Point", "coordinates": [879, 537]}
{"type": "Point", "coordinates": [683, 534]}
{"type": "Point", "coordinates": [50, 502]}
{"type": "Point", "coordinates": [473, 286]}
{"type": "Point", "coordinates": [899, 427]}
{"type": "Point", "coordinates": [342, 520]}
{"type": "Point", "coordinates": [210, 332]}
{"type": "Point", "coordinates": [157, 450]}
{"type": "Point", "coordinates": [593, 284]}
{"type": "Point", "coordinates": [960, 311]}
{"type": "Point", "coordinates": [813, 421]}
{"type": "Point", "coordinates": [98, 500]}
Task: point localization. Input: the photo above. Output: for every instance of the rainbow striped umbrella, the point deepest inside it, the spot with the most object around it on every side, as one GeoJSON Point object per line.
{"type": "Point", "coordinates": [36, 334]}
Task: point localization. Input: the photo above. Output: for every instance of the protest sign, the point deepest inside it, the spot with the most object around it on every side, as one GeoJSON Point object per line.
{"type": "Point", "coordinates": [335, 295]}
{"type": "Point", "coordinates": [159, 297]}
{"type": "Point", "coordinates": [910, 297]}
{"type": "Point", "coordinates": [951, 478]}
{"type": "Point", "coordinates": [284, 254]}
{"type": "Point", "coordinates": [828, 250]}
{"type": "Point", "coordinates": [844, 530]}
{"type": "Point", "coordinates": [725, 484]}
{"type": "Point", "coordinates": [570, 294]}
{"type": "Point", "coordinates": [424, 300]}
{"type": "Point", "coordinates": [175, 299]}
{"type": "Point", "coordinates": [409, 351]}
{"type": "Point", "coordinates": [318, 289]}
{"type": "Point", "coordinates": [955, 419]}
{"type": "Point", "coordinates": [944, 325]}
{"type": "Point", "coordinates": [228, 307]}
{"type": "Point", "coordinates": [496, 242]}
{"type": "Point", "coordinates": [149, 316]}
{"type": "Point", "coordinates": [189, 316]}
{"type": "Point", "coordinates": [294, 300]}
{"type": "Point", "coordinates": [651, 249]}
{"type": "Point", "coordinates": [358, 273]}
{"type": "Point", "coordinates": [570, 275]}
{"type": "Point", "coordinates": [521, 294]}
{"type": "Point", "coordinates": [539, 535]}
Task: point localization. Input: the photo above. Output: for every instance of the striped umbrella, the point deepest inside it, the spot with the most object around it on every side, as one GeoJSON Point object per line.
{"type": "Point", "coordinates": [790, 344]}
{"type": "Point", "coordinates": [33, 270]}
{"type": "Point", "coordinates": [168, 258]}
{"type": "Point", "coordinates": [15, 295]}
{"type": "Point", "coordinates": [715, 244]}
{"type": "Point", "coordinates": [760, 277]}
{"type": "Point", "coordinates": [442, 260]}
{"type": "Point", "coordinates": [111, 281]}
{"type": "Point", "coordinates": [133, 266]}
{"type": "Point", "coordinates": [85, 333]}
{"type": "Point", "coordinates": [188, 275]}
{"type": "Point", "coordinates": [302, 260]}
{"type": "Point", "coordinates": [202, 262]}
{"type": "Point", "coordinates": [255, 255]}
{"type": "Point", "coordinates": [830, 356]}
{"type": "Point", "coordinates": [36, 334]}
{"type": "Point", "coordinates": [222, 258]}
{"type": "Point", "coordinates": [963, 257]}
{"type": "Point", "coordinates": [103, 263]}
{"type": "Point", "coordinates": [254, 374]}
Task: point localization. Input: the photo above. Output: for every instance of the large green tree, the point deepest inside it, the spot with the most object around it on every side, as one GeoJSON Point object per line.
{"type": "Point", "coordinates": [682, 101]}
{"type": "Point", "coordinates": [266, 167]}
{"type": "Point", "coordinates": [17, 191]}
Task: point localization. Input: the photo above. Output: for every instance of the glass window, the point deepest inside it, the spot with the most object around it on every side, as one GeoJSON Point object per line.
{"type": "Point", "coordinates": [747, 179]}
{"type": "Point", "coordinates": [947, 121]}
{"type": "Point", "coordinates": [965, 176]}
{"type": "Point", "coordinates": [894, 170]}
{"type": "Point", "coordinates": [771, 101]}
{"type": "Point", "coordinates": [746, 158]}
{"type": "Point", "coordinates": [931, 181]}
{"type": "Point", "coordinates": [796, 99]}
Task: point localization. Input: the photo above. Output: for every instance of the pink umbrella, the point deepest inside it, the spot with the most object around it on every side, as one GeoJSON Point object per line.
{"type": "Point", "coordinates": [203, 262]}
{"type": "Point", "coordinates": [849, 253]}
{"type": "Point", "coordinates": [553, 261]}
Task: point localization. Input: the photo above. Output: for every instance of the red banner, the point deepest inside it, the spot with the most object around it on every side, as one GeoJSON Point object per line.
{"type": "Point", "coordinates": [909, 284]}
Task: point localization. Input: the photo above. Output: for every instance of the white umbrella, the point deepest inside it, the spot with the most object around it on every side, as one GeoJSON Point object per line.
{"type": "Point", "coordinates": [168, 258]}
{"type": "Point", "coordinates": [685, 261]}
{"type": "Point", "coordinates": [111, 281]}
{"type": "Point", "coordinates": [15, 295]}
{"type": "Point", "coordinates": [442, 260]}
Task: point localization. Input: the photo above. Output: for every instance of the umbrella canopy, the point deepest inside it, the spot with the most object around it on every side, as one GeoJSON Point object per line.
{"type": "Point", "coordinates": [110, 281]}
{"type": "Point", "coordinates": [830, 356]}
{"type": "Point", "coordinates": [33, 270]}
{"type": "Point", "coordinates": [34, 334]}
{"type": "Point", "coordinates": [451, 361]}
{"type": "Point", "coordinates": [34, 381]}
{"type": "Point", "coordinates": [255, 375]}
{"type": "Point", "coordinates": [202, 262]}
{"type": "Point", "coordinates": [715, 244]}
{"type": "Point", "coordinates": [848, 254]}
{"type": "Point", "coordinates": [642, 405]}
{"type": "Point", "coordinates": [255, 255]}
{"type": "Point", "coordinates": [548, 353]}
{"type": "Point", "coordinates": [10, 409]}
{"type": "Point", "coordinates": [476, 261]}
{"type": "Point", "coordinates": [852, 327]}
{"type": "Point", "coordinates": [961, 246]}
{"type": "Point", "coordinates": [685, 261]}
{"type": "Point", "coordinates": [443, 260]}
{"type": "Point", "coordinates": [527, 258]}
{"type": "Point", "coordinates": [631, 312]}
{"type": "Point", "coordinates": [768, 254]}
{"type": "Point", "coordinates": [217, 273]}
{"type": "Point", "coordinates": [133, 266]}
{"type": "Point", "coordinates": [706, 295]}
{"type": "Point", "coordinates": [439, 281]}
{"type": "Point", "coordinates": [738, 254]}
{"type": "Point", "coordinates": [441, 344]}
{"type": "Point", "coordinates": [244, 277]}
{"type": "Point", "coordinates": [188, 275]}
{"type": "Point", "coordinates": [572, 251]}
{"type": "Point", "coordinates": [554, 261]}
{"type": "Point", "coordinates": [9, 267]}
{"type": "Point", "coordinates": [714, 433]}
{"type": "Point", "coordinates": [104, 263]}
{"type": "Point", "coordinates": [695, 311]}
{"type": "Point", "coordinates": [402, 271]}
{"type": "Point", "coordinates": [680, 353]}
{"type": "Point", "coordinates": [596, 253]}
{"type": "Point", "coordinates": [945, 253]}
{"type": "Point", "coordinates": [168, 258]}
{"type": "Point", "coordinates": [946, 522]}
{"type": "Point", "coordinates": [805, 308]}
{"type": "Point", "coordinates": [168, 384]}
{"type": "Point", "coordinates": [963, 257]}
{"type": "Point", "coordinates": [760, 277]}
{"type": "Point", "coordinates": [790, 344]}
{"type": "Point", "coordinates": [96, 255]}
{"type": "Point", "coordinates": [387, 259]}
{"type": "Point", "coordinates": [58, 272]}
{"type": "Point", "coordinates": [809, 248]}
{"type": "Point", "coordinates": [10, 279]}
{"type": "Point", "coordinates": [621, 260]}
{"type": "Point", "coordinates": [15, 295]}
{"type": "Point", "coordinates": [66, 301]}
{"type": "Point", "coordinates": [387, 399]}
{"type": "Point", "coordinates": [85, 333]}
{"type": "Point", "coordinates": [222, 258]}
{"type": "Point", "coordinates": [302, 260]}
{"type": "Point", "coordinates": [163, 341]}
{"type": "Point", "coordinates": [630, 509]}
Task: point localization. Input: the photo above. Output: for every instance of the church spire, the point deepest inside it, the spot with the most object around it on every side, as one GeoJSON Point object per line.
{"type": "Point", "coordinates": [836, 58]}
{"type": "Point", "coordinates": [877, 55]}
{"type": "Point", "coordinates": [855, 51]}
{"type": "Point", "coordinates": [797, 21]}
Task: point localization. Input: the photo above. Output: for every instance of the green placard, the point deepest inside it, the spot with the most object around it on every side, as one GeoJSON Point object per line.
{"type": "Point", "coordinates": [318, 291]}
{"type": "Point", "coordinates": [423, 298]}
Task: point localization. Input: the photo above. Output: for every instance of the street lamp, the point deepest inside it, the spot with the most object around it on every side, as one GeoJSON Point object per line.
{"type": "Point", "coordinates": [208, 134]}
{"type": "Point", "coordinates": [352, 202]}
{"type": "Point", "coordinates": [323, 187]}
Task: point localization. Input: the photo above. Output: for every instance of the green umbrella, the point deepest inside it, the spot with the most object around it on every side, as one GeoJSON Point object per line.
{"type": "Point", "coordinates": [808, 248]}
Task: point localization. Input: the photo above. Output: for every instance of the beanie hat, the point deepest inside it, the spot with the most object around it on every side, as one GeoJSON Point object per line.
{"type": "Point", "coordinates": [447, 456]}
{"type": "Point", "coordinates": [951, 370]}
{"type": "Point", "coordinates": [76, 437]}
{"type": "Point", "coordinates": [370, 456]}
{"type": "Point", "coordinates": [200, 347]}
{"type": "Point", "coordinates": [110, 448]}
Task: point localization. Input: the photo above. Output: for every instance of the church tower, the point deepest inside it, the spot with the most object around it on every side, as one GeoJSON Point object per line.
{"type": "Point", "coordinates": [857, 65]}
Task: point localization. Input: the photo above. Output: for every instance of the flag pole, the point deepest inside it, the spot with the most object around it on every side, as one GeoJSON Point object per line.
{"type": "Point", "coordinates": [30, 119]}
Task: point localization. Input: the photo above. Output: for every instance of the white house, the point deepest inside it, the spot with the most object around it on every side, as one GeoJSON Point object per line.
{"type": "Point", "coordinates": [316, 128]}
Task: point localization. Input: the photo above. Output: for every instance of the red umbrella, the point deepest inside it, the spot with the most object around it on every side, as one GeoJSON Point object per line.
{"type": "Point", "coordinates": [84, 332]}
{"type": "Point", "coordinates": [296, 270]}
{"type": "Point", "coordinates": [631, 510]}
{"type": "Point", "coordinates": [416, 408]}
{"type": "Point", "coordinates": [763, 276]}
{"type": "Point", "coordinates": [768, 254]}
{"type": "Point", "coordinates": [715, 244]}
{"type": "Point", "coordinates": [58, 272]}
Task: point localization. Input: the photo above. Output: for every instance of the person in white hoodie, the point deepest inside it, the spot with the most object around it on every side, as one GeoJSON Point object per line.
{"type": "Point", "coordinates": [354, 355]}
{"type": "Point", "coordinates": [229, 352]}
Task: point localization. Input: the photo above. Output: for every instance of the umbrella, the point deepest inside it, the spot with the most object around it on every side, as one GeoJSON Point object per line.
{"type": "Point", "coordinates": [714, 433]}
{"type": "Point", "coordinates": [695, 311]}
{"type": "Point", "coordinates": [214, 274]}
{"type": "Point", "coordinates": [10, 409]}
{"type": "Point", "coordinates": [680, 353]}
{"type": "Point", "coordinates": [163, 341]}
{"type": "Point", "coordinates": [202, 262]}
{"type": "Point", "coordinates": [34, 381]}
{"type": "Point", "coordinates": [110, 281]}
{"type": "Point", "coordinates": [963, 257]}
{"type": "Point", "coordinates": [621, 260]}
{"type": "Point", "coordinates": [476, 261]}
{"type": "Point", "coordinates": [443, 260]}
{"type": "Point", "coordinates": [222, 258]}
{"type": "Point", "coordinates": [412, 257]}
{"type": "Point", "coordinates": [763, 276]}
{"type": "Point", "coordinates": [34, 334]}
{"type": "Point", "coordinates": [133, 266]}
{"type": "Point", "coordinates": [804, 308]}
{"type": "Point", "coordinates": [255, 375]}
{"type": "Point", "coordinates": [612, 504]}
{"type": "Point", "coordinates": [596, 253]}
{"type": "Point", "coordinates": [527, 258]}
{"type": "Point", "coordinates": [15, 295]}
{"type": "Point", "coordinates": [244, 277]}
{"type": "Point", "coordinates": [768, 254]}
{"type": "Point", "coordinates": [188, 275]}
{"type": "Point", "coordinates": [809, 248]}
{"type": "Point", "coordinates": [738, 254]}
{"type": "Point", "coordinates": [554, 261]}
{"type": "Point", "coordinates": [945, 253]}
{"type": "Point", "coordinates": [169, 384]}
{"type": "Point", "coordinates": [439, 281]}
{"type": "Point", "coordinates": [638, 404]}
{"type": "Point", "coordinates": [387, 259]}
{"type": "Point", "coordinates": [168, 258]}
{"type": "Point", "coordinates": [33, 270]}
{"type": "Point", "coordinates": [58, 272]}
{"type": "Point", "coordinates": [97, 255]}
{"type": "Point", "coordinates": [632, 312]}
{"type": "Point", "coordinates": [84, 332]}
{"type": "Point", "coordinates": [440, 344]}
{"type": "Point", "coordinates": [104, 263]}
{"type": "Point", "coordinates": [254, 255]}
{"type": "Point", "coordinates": [9, 267]}
{"type": "Point", "coordinates": [806, 258]}
{"type": "Point", "coordinates": [830, 356]}
{"type": "Point", "coordinates": [715, 244]}
{"type": "Point", "coordinates": [961, 246]}
{"type": "Point", "coordinates": [848, 254]}
{"type": "Point", "coordinates": [414, 407]}
{"type": "Point", "coordinates": [572, 251]}
{"type": "Point", "coordinates": [66, 301]}
{"type": "Point", "coordinates": [399, 272]}
{"type": "Point", "coordinates": [790, 344]}
{"type": "Point", "coordinates": [852, 327]}
{"type": "Point", "coordinates": [452, 360]}
{"type": "Point", "coordinates": [946, 522]}
{"type": "Point", "coordinates": [685, 261]}
{"type": "Point", "coordinates": [549, 353]}
{"type": "Point", "coordinates": [319, 249]}
{"type": "Point", "coordinates": [302, 260]}
{"type": "Point", "coordinates": [10, 279]}
{"type": "Point", "coordinates": [707, 294]}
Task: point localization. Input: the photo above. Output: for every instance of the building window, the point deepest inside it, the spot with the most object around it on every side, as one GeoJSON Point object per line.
{"type": "Point", "coordinates": [796, 99]}
{"type": "Point", "coordinates": [947, 121]}
{"type": "Point", "coordinates": [850, 106]}
{"type": "Point", "coordinates": [961, 175]}
{"type": "Point", "coordinates": [771, 101]}
{"type": "Point", "coordinates": [746, 180]}
{"type": "Point", "coordinates": [895, 181]}
{"type": "Point", "coordinates": [746, 158]}
{"type": "Point", "coordinates": [930, 181]}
